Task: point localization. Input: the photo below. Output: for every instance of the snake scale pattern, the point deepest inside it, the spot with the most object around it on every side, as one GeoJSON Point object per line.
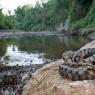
{"type": "Point", "coordinates": [79, 65]}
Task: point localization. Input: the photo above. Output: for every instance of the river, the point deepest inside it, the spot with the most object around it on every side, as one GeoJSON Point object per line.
{"type": "Point", "coordinates": [37, 49]}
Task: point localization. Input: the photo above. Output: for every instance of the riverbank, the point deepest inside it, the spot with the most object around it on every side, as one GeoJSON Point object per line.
{"type": "Point", "coordinates": [13, 78]}
{"type": "Point", "coordinates": [4, 34]}
{"type": "Point", "coordinates": [19, 33]}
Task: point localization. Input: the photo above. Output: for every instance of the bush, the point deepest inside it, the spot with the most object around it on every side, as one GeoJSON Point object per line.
{"type": "Point", "coordinates": [38, 27]}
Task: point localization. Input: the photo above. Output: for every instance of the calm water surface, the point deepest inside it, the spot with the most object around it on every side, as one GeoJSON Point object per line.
{"type": "Point", "coordinates": [37, 50]}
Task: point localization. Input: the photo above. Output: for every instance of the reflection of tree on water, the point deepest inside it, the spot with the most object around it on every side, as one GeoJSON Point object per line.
{"type": "Point", "coordinates": [4, 44]}
{"type": "Point", "coordinates": [52, 47]}
{"type": "Point", "coordinates": [3, 47]}
{"type": "Point", "coordinates": [13, 48]}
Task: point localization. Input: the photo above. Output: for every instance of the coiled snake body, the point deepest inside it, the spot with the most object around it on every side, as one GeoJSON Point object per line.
{"type": "Point", "coordinates": [79, 65]}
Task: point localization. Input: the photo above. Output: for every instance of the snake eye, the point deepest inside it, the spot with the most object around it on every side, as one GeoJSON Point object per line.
{"type": "Point", "coordinates": [65, 57]}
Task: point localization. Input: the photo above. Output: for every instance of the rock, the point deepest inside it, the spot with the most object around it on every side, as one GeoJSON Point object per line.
{"type": "Point", "coordinates": [7, 92]}
{"type": "Point", "coordinates": [25, 78]}
{"type": "Point", "coordinates": [13, 78]}
{"type": "Point", "coordinates": [47, 81]}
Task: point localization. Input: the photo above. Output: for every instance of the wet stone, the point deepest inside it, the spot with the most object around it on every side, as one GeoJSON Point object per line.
{"type": "Point", "coordinates": [13, 79]}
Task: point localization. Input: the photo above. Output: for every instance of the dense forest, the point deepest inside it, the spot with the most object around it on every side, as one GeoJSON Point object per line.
{"type": "Point", "coordinates": [69, 15]}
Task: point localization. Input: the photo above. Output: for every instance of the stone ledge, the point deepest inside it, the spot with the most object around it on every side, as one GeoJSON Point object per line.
{"type": "Point", "coordinates": [47, 81]}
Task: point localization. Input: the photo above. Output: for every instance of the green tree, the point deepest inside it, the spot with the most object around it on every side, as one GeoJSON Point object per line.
{"type": "Point", "coordinates": [73, 14]}
{"type": "Point", "coordinates": [6, 21]}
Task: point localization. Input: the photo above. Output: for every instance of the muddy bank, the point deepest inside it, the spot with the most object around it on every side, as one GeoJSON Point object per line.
{"type": "Point", "coordinates": [13, 78]}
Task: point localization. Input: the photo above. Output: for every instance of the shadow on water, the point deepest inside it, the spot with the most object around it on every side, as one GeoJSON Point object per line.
{"type": "Point", "coordinates": [37, 48]}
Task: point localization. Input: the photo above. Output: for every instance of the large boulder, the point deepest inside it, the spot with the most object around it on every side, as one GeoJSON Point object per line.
{"type": "Point", "coordinates": [47, 81]}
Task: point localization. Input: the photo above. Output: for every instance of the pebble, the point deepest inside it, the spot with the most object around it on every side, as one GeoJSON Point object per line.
{"type": "Point", "coordinates": [18, 74]}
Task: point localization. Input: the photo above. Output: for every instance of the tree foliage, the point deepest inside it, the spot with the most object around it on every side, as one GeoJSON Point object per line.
{"type": "Point", "coordinates": [48, 15]}
{"type": "Point", "coordinates": [6, 21]}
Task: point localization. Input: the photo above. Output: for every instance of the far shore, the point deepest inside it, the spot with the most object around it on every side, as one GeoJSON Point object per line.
{"type": "Point", "coordinates": [18, 33]}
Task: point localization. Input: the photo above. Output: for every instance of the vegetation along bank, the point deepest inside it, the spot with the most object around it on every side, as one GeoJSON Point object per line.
{"type": "Point", "coordinates": [54, 15]}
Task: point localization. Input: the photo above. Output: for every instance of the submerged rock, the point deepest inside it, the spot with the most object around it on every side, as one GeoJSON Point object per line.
{"type": "Point", "coordinates": [47, 81]}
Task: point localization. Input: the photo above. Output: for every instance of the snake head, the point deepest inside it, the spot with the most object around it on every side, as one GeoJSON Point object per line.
{"type": "Point", "coordinates": [67, 55]}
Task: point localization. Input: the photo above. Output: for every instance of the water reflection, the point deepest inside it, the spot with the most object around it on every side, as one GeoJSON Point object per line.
{"type": "Point", "coordinates": [14, 56]}
{"type": "Point", "coordinates": [37, 50]}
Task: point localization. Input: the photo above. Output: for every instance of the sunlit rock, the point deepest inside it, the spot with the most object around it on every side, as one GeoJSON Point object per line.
{"type": "Point", "coordinates": [47, 81]}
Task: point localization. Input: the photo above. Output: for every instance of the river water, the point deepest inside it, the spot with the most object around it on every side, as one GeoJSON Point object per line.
{"type": "Point", "coordinates": [37, 49]}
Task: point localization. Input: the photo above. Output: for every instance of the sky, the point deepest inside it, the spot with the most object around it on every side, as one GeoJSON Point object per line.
{"type": "Point", "coordinates": [13, 4]}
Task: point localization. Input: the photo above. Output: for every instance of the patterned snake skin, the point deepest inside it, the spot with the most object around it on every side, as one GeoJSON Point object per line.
{"type": "Point", "coordinates": [79, 65]}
